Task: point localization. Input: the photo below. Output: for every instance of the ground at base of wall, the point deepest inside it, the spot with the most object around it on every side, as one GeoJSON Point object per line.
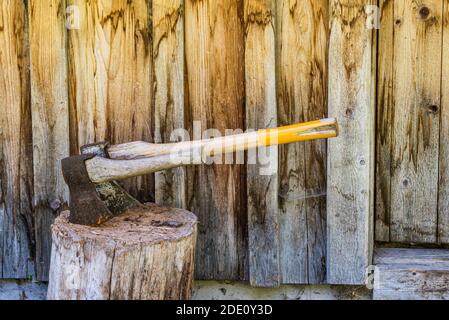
{"type": "Point", "coordinates": [213, 290]}
{"type": "Point", "coordinates": [223, 290]}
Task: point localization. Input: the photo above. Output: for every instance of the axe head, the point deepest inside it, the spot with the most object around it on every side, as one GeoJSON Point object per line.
{"type": "Point", "coordinates": [90, 203]}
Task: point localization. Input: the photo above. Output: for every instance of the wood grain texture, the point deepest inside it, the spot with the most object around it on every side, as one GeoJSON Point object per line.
{"type": "Point", "coordinates": [443, 199]}
{"type": "Point", "coordinates": [415, 143]}
{"type": "Point", "coordinates": [261, 112]}
{"type": "Point", "coordinates": [411, 282]}
{"type": "Point", "coordinates": [302, 89]}
{"type": "Point", "coordinates": [111, 77]}
{"type": "Point", "coordinates": [50, 116]}
{"type": "Point", "coordinates": [407, 256]}
{"type": "Point", "coordinates": [351, 155]}
{"type": "Point", "coordinates": [215, 71]}
{"type": "Point", "coordinates": [385, 110]}
{"type": "Point", "coordinates": [145, 254]}
{"type": "Point", "coordinates": [411, 274]}
{"type": "Point", "coordinates": [168, 55]}
{"type": "Point", "coordinates": [16, 166]}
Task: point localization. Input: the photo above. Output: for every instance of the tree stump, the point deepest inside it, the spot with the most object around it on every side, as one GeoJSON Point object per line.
{"type": "Point", "coordinates": [148, 253]}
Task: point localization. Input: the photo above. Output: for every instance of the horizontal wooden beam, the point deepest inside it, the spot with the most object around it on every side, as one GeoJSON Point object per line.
{"type": "Point", "coordinates": [411, 274]}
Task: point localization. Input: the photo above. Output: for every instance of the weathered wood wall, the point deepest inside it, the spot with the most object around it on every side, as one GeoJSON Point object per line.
{"type": "Point", "coordinates": [17, 223]}
{"type": "Point", "coordinates": [138, 69]}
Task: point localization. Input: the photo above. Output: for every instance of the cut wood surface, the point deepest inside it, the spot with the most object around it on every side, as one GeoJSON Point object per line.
{"type": "Point", "coordinates": [16, 167]}
{"type": "Point", "coordinates": [50, 116]}
{"type": "Point", "coordinates": [146, 254]}
{"type": "Point", "coordinates": [168, 53]}
{"type": "Point", "coordinates": [351, 155]}
{"type": "Point", "coordinates": [416, 121]}
{"type": "Point", "coordinates": [111, 77]}
{"type": "Point", "coordinates": [216, 96]}
{"type": "Point", "coordinates": [302, 33]}
{"type": "Point", "coordinates": [261, 112]}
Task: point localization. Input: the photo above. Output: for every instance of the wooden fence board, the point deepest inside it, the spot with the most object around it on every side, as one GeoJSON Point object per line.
{"type": "Point", "coordinates": [16, 169]}
{"type": "Point", "coordinates": [351, 155]}
{"type": "Point", "coordinates": [168, 54]}
{"type": "Point", "coordinates": [385, 111]}
{"type": "Point", "coordinates": [261, 112]}
{"type": "Point", "coordinates": [111, 77]}
{"type": "Point", "coordinates": [50, 116]}
{"type": "Point", "coordinates": [443, 200]}
{"type": "Point", "coordinates": [302, 79]}
{"type": "Point", "coordinates": [417, 76]}
{"type": "Point", "coordinates": [215, 70]}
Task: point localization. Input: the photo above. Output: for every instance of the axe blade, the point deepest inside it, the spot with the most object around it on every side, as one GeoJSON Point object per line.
{"type": "Point", "coordinates": [86, 207]}
{"type": "Point", "coordinates": [90, 203]}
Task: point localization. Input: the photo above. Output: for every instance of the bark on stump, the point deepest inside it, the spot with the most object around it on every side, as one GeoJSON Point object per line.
{"type": "Point", "coordinates": [147, 253]}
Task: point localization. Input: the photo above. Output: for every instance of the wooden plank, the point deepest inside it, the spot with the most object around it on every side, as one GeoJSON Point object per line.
{"type": "Point", "coordinates": [351, 155]}
{"type": "Point", "coordinates": [385, 109]}
{"type": "Point", "coordinates": [443, 199]}
{"type": "Point", "coordinates": [168, 53]}
{"type": "Point", "coordinates": [407, 256]}
{"type": "Point", "coordinates": [16, 166]}
{"type": "Point", "coordinates": [50, 116]}
{"type": "Point", "coordinates": [261, 112]}
{"type": "Point", "coordinates": [417, 76]}
{"type": "Point", "coordinates": [215, 69]}
{"type": "Point", "coordinates": [111, 78]}
{"type": "Point", "coordinates": [410, 282]}
{"type": "Point", "coordinates": [302, 92]}
{"type": "Point", "coordinates": [411, 274]}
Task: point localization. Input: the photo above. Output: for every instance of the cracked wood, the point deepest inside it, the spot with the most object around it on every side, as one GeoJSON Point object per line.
{"type": "Point", "coordinates": [111, 78]}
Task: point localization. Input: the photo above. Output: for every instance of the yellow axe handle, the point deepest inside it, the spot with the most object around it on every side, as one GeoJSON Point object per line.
{"type": "Point", "coordinates": [139, 158]}
{"type": "Point", "coordinates": [320, 129]}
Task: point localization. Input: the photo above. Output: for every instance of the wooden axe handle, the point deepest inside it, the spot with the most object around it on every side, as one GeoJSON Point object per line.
{"type": "Point", "coordinates": [140, 158]}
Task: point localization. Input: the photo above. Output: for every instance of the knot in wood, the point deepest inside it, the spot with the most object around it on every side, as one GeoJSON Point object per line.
{"type": "Point", "coordinates": [261, 17]}
{"type": "Point", "coordinates": [432, 109]}
{"type": "Point", "coordinates": [424, 12]}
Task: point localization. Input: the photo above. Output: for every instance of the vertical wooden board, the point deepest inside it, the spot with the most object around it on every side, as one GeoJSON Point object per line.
{"type": "Point", "coordinates": [168, 53]}
{"type": "Point", "coordinates": [315, 156]}
{"type": "Point", "coordinates": [261, 112]}
{"type": "Point", "coordinates": [385, 109]}
{"type": "Point", "coordinates": [417, 77]}
{"type": "Point", "coordinates": [302, 36]}
{"type": "Point", "coordinates": [215, 71]}
{"type": "Point", "coordinates": [16, 169]}
{"type": "Point", "coordinates": [111, 84]}
{"type": "Point", "coordinates": [351, 155]}
{"type": "Point", "coordinates": [443, 200]}
{"type": "Point", "coordinates": [50, 116]}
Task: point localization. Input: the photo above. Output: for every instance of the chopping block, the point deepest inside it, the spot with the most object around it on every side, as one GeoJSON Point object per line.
{"type": "Point", "coordinates": [146, 253]}
{"type": "Point", "coordinates": [111, 246]}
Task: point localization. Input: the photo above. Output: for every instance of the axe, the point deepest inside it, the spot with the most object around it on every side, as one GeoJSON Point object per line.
{"type": "Point", "coordinates": [96, 197]}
